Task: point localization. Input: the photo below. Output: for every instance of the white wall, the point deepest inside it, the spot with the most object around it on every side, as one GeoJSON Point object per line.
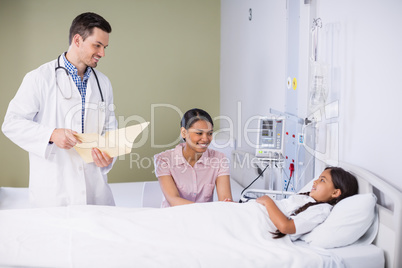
{"type": "Point", "coordinates": [252, 63]}
{"type": "Point", "coordinates": [369, 58]}
{"type": "Point", "coordinates": [364, 51]}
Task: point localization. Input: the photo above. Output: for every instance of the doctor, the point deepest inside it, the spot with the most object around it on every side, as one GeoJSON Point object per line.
{"type": "Point", "coordinates": [54, 102]}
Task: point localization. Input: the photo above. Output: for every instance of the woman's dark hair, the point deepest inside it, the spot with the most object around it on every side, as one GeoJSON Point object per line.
{"type": "Point", "coordinates": [84, 24]}
{"type": "Point", "coordinates": [343, 180]}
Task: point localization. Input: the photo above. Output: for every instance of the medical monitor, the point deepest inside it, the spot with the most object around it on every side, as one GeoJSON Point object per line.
{"type": "Point", "coordinates": [270, 138]}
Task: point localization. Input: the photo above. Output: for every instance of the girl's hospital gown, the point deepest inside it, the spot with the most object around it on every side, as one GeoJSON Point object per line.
{"type": "Point", "coordinates": [307, 220]}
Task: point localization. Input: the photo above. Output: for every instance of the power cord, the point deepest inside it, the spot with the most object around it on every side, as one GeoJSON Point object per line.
{"type": "Point", "coordinates": [259, 175]}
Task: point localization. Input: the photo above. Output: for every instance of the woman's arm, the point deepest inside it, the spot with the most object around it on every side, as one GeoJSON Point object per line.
{"type": "Point", "coordinates": [223, 188]}
{"type": "Point", "coordinates": [170, 191]}
{"type": "Point", "coordinates": [283, 223]}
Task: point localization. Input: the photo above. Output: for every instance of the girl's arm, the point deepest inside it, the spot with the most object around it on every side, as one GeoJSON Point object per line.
{"type": "Point", "coordinates": [283, 223]}
{"type": "Point", "coordinates": [223, 188]}
{"type": "Point", "coordinates": [170, 191]}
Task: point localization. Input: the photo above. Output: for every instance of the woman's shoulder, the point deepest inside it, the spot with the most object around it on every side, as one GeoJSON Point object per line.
{"type": "Point", "coordinates": [170, 153]}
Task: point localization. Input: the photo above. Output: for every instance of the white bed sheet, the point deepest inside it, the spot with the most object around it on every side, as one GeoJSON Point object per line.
{"type": "Point", "coordinates": [352, 256]}
{"type": "Point", "coordinates": [357, 256]}
{"type": "Point", "coordinates": [129, 195]}
{"type": "Point", "coordinates": [218, 234]}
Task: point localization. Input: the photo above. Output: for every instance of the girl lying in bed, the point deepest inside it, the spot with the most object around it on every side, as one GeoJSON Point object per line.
{"type": "Point", "coordinates": [299, 214]}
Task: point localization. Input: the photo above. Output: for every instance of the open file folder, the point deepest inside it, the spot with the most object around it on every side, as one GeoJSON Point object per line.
{"type": "Point", "coordinates": [114, 143]}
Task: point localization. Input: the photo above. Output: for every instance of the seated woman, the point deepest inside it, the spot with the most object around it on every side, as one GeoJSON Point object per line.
{"type": "Point", "coordinates": [301, 213]}
{"type": "Point", "coordinates": [189, 173]}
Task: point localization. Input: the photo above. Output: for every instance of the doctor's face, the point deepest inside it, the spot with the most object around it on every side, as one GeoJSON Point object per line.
{"type": "Point", "coordinates": [92, 49]}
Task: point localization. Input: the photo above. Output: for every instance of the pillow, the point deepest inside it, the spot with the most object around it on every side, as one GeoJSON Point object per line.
{"type": "Point", "coordinates": [348, 221]}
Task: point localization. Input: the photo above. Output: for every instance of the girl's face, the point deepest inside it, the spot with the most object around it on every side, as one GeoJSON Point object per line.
{"type": "Point", "coordinates": [323, 189]}
{"type": "Point", "coordinates": [198, 136]}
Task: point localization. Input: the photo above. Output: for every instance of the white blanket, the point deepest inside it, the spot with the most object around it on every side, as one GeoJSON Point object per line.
{"type": "Point", "coordinates": [218, 234]}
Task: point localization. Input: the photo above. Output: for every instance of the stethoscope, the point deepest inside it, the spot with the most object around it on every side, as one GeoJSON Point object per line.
{"type": "Point", "coordinates": [68, 96]}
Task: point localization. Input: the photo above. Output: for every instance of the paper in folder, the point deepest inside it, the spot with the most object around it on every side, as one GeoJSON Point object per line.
{"type": "Point", "coordinates": [114, 143]}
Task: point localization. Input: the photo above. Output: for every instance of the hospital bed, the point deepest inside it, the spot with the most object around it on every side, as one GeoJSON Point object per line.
{"type": "Point", "coordinates": [217, 234]}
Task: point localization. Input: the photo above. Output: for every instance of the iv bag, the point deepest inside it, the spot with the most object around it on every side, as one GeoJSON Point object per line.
{"type": "Point", "coordinates": [318, 86]}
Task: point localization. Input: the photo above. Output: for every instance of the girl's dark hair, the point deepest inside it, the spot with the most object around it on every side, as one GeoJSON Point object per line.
{"type": "Point", "coordinates": [343, 180]}
{"type": "Point", "coordinates": [194, 115]}
{"type": "Point", "coordinates": [84, 24]}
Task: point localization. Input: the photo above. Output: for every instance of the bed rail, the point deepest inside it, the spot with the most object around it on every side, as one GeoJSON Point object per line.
{"type": "Point", "coordinates": [389, 236]}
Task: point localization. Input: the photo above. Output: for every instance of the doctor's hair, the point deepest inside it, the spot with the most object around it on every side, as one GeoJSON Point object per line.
{"type": "Point", "coordinates": [84, 24]}
{"type": "Point", "coordinates": [194, 115]}
{"type": "Point", "coordinates": [343, 180]}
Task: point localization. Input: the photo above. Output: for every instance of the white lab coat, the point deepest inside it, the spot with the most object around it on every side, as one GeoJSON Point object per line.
{"type": "Point", "coordinates": [60, 177]}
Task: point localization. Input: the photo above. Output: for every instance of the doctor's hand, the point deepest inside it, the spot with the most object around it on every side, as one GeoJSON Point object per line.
{"type": "Point", "coordinates": [101, 159]}
{"type": "Point", "coordinates": [64, 138]}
